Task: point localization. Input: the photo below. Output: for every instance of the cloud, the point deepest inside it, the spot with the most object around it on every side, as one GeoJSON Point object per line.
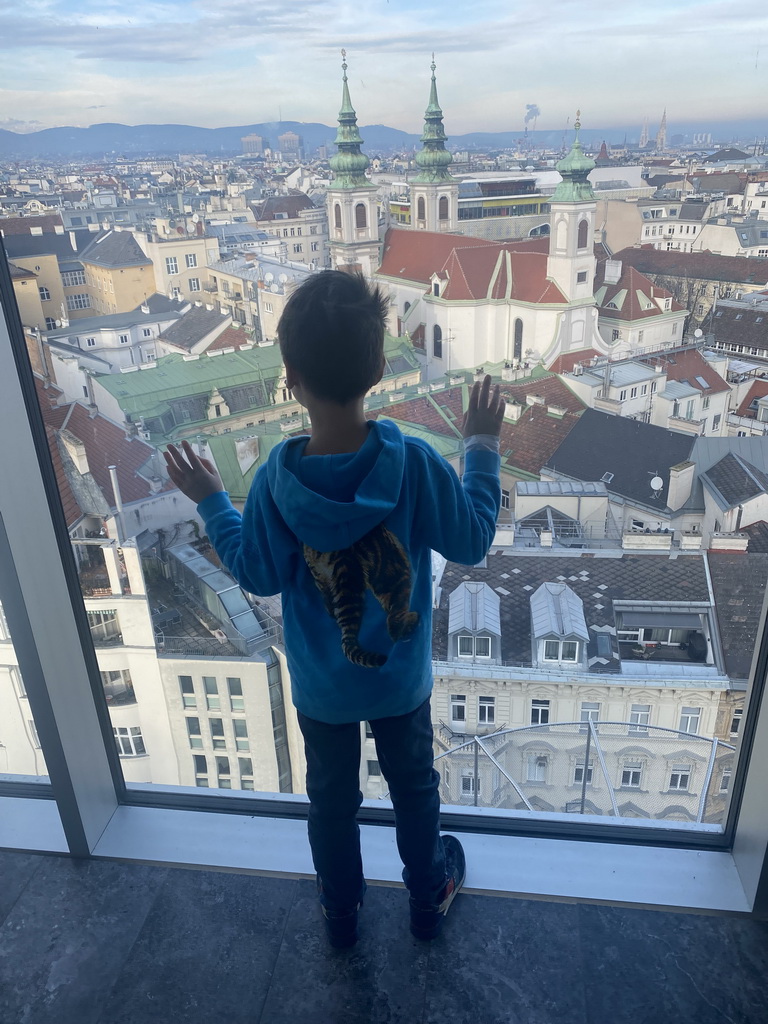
{"type": "Point", "coordinates": [14, 124]}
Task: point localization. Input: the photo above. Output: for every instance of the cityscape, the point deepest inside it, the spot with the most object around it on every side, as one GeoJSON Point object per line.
{"type": "Point", "coordinates": [615, 284]}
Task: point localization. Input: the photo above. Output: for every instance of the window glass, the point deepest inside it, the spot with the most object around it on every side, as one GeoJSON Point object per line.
{"type": "Point", "coordinates": [20, 749]}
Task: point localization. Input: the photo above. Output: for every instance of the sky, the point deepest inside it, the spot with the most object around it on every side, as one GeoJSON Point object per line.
{"type": "Point", "coordinates": [238, 62]}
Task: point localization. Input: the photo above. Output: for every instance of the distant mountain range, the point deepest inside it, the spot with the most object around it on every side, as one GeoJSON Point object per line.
{"type": "Point", "coordinates": [100, 140]}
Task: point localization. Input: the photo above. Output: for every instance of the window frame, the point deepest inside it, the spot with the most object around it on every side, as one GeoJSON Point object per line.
{"type": "Point", "coordinates": [93, 808]}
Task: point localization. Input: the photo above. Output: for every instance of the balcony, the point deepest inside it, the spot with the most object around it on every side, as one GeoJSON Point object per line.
{"type": "Point", "coordinates": [135, 940]}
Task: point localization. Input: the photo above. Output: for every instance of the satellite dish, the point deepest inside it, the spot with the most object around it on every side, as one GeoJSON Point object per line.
{"type": "Point", "coordinates": [195, 218]}
{"type": "Point", "coordinates": [274, 288]}
{"type": "Point", "coordinates": [657, 483]}
{"type": "Point", "coordinates": [269, 276]}
{"type": "Point", "coordinates": [698, 333]}
{"type": "Point", "coordinates": [283, 279]}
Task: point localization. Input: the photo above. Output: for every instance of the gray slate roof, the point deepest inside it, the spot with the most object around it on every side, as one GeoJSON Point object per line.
{"type": "Point", "coordinates": [557, 611]}
{"type": "Point", "coordinates": [733, 480]}
{"type": "Point", "coordinates": [738, 582]}
{"type": "Point", "coordinates": [597, 582]}
{"type": "Point", "coordinates": [474, 607]}
{"type": "Point", "coordinates": [19, 246]}
{"type": "Point", "coordinates": [633, 451]}
{"type": "Point", "coordinates": [193, 327]}
{"type": "Point", "coordinates": [115, 249]}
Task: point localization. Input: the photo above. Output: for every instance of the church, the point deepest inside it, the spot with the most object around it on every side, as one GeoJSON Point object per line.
{"type": "Point", "coordinates": [464, 301]}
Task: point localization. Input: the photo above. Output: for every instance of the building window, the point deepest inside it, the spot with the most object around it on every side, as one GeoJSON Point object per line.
{"type": "Point", "coordinates": [374, 768]}
{"type": "Point", "coordinates": [361, 217]}
{"type": "Point", "coordinates": [442, 208]}
{"type": "Point", "coordinates": [420, 209]}
{"type": "Point", "coordinates": [171, 265]}
{"type": "Point", "coordinates": [517, 348]}
{"type": "Point", "coordinates": [194, 284]}
{"type": "Point", "coordinates": [44, 294]}
{"type": "Point", "coordinates": [690, 719]}
{"type": "Point", "coordinates": [505, 499]}
{"type": "Point", "coordinates": [623, 395]}
{"type": "Point", "coordinates": [716, 421]}
{"type": "Point", "coordinates": [468, 783]}
{"type": "Point", "coordinates": [187, 692]}
{"type": "Point", "coordinates": [590, 712]}
{"type": "Point", "coordinates": [211, 693]}
{"type": "Point", "coordinates": [81, 300]}
{"type": "Point", "coordinates": [725, 780]}
{"type": "Point", "coordinates": [71, 278]}
{"type": "Point", "coordinates": [633, 392]}
{"type": "Point", "coordinates": [680, 776]}
{"type": "Point", "coordinates": [437, 342]}
{"type": "Point", "coordinates": [236, 699]}
{"type": "Point", "coordinates": [458, 707]}
{"type": "Point", "coordinates": [537, 768]}
{"type": "Point", "coordinates": [561, 650]}
{"type": "Point", "coordinates": [578, 774]}
{"type": "Point", "coordinates": [639, 717]}
{"type": "Point", "coordinates": [474, 647]}
{"type": "Point", "coordinates": [191, 258]}
{"type": "Point", "coordinates": [146, 332]}
{"type": "Point", "coordinates": [298, 247]}
{"type": "Point", "coordinates": [616, 336]}
{"type": "Point", "coordinates": [241, 734]}
{"type": "Point", "coordinates": [643, 390]}
{"type": "Point", "coordinates": [267, 307]}
{"type": "Point", "coordinates": [631, 774]}
{"type": "Point", "coordinates": [539, 712]}
{"type": "Point", "coordinates": [129, 741]}
{"type": "Point", "coordinates": [123, 339]}
{"type": "Point", "coordinates": [217, 733]}
{"type": "Point", "coordinates": [581, 277]}
{"type": "Point", "coordinates": [50, 323]}
{"type": "Point", "coordinates": [583, 237]}
{"type": "Point", "coordinates": [193, 731]}
{"type": "Point", "coordinates": [337, 216]}
{"type": "Point", "coordinates": [486, 710]}
{"type": "Point", "coordinates": [314, 246]}
{"type": "Point", "coordinates": [90, 342]}
{"type": "Point", "coordinates": [736, 720]}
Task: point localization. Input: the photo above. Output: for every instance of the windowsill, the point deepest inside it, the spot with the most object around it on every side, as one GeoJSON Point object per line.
{"type": "Point", "coordinates": [496, 865]}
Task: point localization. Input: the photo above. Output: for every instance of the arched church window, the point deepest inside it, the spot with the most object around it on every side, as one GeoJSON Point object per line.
{"type": "Point", "coordinates": [517, 351]}
{"type": "Point", "coordinates": [420, 209]}
{"type": "Point", "coordinates": [437, 342]}
{"type": "Point", "coordinates": [583, 232]}
{"type": "Point", "coordinates": [361, 220]}
{"type": "Point", "coordinates": [337, 216]}
{"type": "Point", "coordinates": [406, 307]}
{"type": "Point", "coordinates": [442, 208]}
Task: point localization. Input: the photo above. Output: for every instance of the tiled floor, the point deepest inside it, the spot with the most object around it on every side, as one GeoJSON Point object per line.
{"type": "Point", "coordinates": [96, 942]}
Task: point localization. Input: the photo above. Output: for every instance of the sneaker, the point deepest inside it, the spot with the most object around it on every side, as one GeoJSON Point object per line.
{"type": "Point", "coordinates": [340, 925]}
{"type": "Point", "coordinates": [426, 918]}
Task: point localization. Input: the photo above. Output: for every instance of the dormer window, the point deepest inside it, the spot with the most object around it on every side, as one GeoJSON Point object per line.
{"type": "Point", "coordinates": [474, 646]}
{"type": "Point", "coordinates": [561, 650]}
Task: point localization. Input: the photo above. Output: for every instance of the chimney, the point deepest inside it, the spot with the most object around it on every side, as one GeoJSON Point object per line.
{"type": "Point", "coordinates": [76, 451]}
{"type": "Point", "coordinates": [512, 412]}
{"type": "Point", "coordinates": [612, 271]}
{"type": "Point", "coordinates": [73, 240]}
{"type": "Point", "coordinates": [680, 481]}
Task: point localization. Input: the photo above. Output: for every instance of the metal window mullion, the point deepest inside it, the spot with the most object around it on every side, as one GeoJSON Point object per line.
{"type": "Point", "coordinates": [37, 586]}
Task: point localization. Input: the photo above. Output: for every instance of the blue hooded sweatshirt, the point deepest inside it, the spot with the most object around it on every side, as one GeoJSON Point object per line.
{"type": "Point", "coordinates": [347, 540]}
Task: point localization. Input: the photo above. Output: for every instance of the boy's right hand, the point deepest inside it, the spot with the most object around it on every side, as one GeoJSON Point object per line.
{"type": "Point", "coordinates": [486, 410]}
{"type": "Point", "coordinates": [194, 476]}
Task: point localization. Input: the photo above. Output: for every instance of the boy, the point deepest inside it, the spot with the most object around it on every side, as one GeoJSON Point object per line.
{"type": "Point", "coordinates": [342, 522]}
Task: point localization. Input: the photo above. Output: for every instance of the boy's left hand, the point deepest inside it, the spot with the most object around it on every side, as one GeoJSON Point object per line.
{"type": "Point", "coordinates": [195, 477]}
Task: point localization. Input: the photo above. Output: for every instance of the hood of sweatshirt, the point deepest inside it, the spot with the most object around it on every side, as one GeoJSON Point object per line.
{"type": "Point", "coordinates": [331, 501]}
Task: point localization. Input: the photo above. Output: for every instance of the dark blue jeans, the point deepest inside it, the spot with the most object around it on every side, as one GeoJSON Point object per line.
{"type": "Point", "coordinates": [404, 748]}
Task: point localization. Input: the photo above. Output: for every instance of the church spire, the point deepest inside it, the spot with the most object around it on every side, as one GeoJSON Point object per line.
{"type": "Point", "coordinates": [349, 164]}
{"type": "Point", "coordinates": [575, 168]}
{"type": "Point", "coordinates": [434, 159]}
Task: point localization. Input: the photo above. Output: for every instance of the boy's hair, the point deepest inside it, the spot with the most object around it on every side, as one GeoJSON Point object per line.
{"type": "Point", "coordinates": [332, 333]}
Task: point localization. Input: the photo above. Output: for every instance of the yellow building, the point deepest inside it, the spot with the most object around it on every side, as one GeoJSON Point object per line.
{"type": "Point", "coordinates": [29, 296]}
{"type": "Point", "coordinates": [118, 275]}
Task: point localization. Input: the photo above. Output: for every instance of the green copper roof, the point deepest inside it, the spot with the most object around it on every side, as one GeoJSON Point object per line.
{"type": "Point", "coordinates": [575, 168]}
{"type": "Point", "coordinates": [434, 159]}
{"type": "Point", "coordinates": [349, 164]}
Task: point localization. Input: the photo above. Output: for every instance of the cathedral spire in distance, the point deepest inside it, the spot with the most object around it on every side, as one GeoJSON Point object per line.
{"type": "Point", "coordinates": [575, 168]}
{"type": "Point", "coordinates": [349, 164]}
{"type": "Point", "coordinates": [434, 159]}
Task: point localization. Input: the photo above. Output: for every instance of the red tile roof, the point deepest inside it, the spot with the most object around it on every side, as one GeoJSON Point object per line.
{"type": "Point", "coordinates": [639, 302]}
{"type": "Point", "coordinates": [690, 364]}
{"type": "Point", "coordinates": [23, 225]}
{"type": "Point", "coordinates": [530, 443]}
{"type": "Point", "coordinates": [476, 268]}
{"type": "Point", "coordinates": [758, 390]}
{"type": "Point", "coordinates": [232, 337]}
{"type": "Point", "coordinates": [706, 265]}
{"type": "Point", "coordinates": [105, 445]}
